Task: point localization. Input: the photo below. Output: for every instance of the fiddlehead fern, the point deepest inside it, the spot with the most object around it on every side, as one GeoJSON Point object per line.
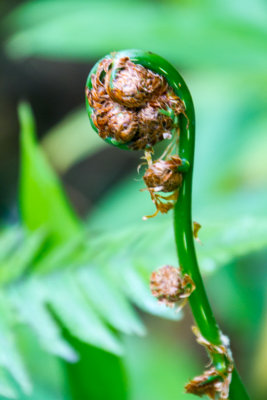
{"type": "Point", "coordinates": [136, 99]}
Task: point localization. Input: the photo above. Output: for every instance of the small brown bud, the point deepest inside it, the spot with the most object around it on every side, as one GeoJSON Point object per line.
{"type": "Point", "coordinates": [122, 123]}
{"type": "Point", "coordinates": [163, 175]}
{"type": "Point", "coordinates": [169, 286]}
{"type": "Point", "coordinates": [153, 125]}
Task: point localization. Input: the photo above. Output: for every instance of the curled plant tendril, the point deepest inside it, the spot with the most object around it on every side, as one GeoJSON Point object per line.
{"type": "Point", "coordinates": [134, 107]}
{"type": "Point", "coordinates": [131, 105]}
{"type": "Point", "coordinates": [170, 287]}
{"type": "Point", "coordinates": [135, 100]}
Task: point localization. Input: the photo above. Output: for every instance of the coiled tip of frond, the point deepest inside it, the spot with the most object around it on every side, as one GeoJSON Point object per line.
{"type": "Point", "coordinates": [130, 105]}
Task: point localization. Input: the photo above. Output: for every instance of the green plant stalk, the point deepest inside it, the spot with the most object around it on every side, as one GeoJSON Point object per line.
{"type": "Point", "coordinates": [183, 227]}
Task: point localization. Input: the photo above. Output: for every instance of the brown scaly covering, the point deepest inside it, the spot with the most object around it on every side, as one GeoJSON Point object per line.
{"type": "Point", "coordinates": [169, 286]}
{"type": "Point", "coordinates": [122, 124]}
{"type": "Point", "coordinates": [163, 175]}
{"type": "Point", "coordinates": [207, 384]}
{"type": "Point", "coordinates": [211, 384]}
{"type": "Point", "coordinates": [129, 112]}
{"type": "Point", "coordinates": [134, 85]}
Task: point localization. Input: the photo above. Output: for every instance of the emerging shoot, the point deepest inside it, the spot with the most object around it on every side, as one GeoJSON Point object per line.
{"type": "Point", "coordinates": [136, 99]}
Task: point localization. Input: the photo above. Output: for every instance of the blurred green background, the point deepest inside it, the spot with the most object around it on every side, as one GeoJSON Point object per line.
{"type": "Point", "coordinates": [77, 320]}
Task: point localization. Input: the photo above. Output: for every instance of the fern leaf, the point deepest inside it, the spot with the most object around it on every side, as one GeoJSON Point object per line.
{"type": "Point", "coordinates": [42, 200]}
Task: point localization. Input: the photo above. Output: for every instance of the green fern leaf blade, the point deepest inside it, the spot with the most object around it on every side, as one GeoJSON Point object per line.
{"type": "Point", "coordinates": [9, 355]}
{"type": "Point", "coordinates": [42, 200]}
{"type": "Point", "coordinates": [29, 301]}
{"type": "Point", "coordinates": [72, 309]}
{"type": "Point", "coordinates": [108, 301]}
{"type": "Point", "coordinates": [21, 258]}
{"type": "Point", "coordinates": [66, 254]}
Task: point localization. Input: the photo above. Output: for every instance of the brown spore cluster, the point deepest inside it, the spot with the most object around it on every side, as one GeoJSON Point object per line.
{"type": "Point", "coordinates": [129, 110]}
{"type": "Point", "coordinates": [166, 284]}
{"type": "Point", "coordinates": [163, 175]}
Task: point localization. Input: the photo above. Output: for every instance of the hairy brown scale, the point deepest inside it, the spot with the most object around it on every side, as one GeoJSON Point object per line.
{"type": "Point", "coordinates": [129, 112]}
{"type": "Point", "coordinates": [163, 175]}
{"type": "Point", "coordinates": [201, 385]}
{"type": "Point", "coordinates": [122, 123]}
{"type": "Point", "coordinates": [134, 85]}
{"type": "Point", "coordinates": [166, 284]}
{"type": "Point", "coordinates": [170, 286]}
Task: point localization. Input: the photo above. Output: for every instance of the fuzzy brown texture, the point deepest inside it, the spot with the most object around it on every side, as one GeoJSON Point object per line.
{"type": "Point", "coordinates": [129, 112]}
{"type": "Point", "coordinates": [167, 285]}
{"type": "Point", "coordinates": [163, 175]}
{"type": "Point", "coordinates": [121, 123]}
{"type": "Point", "coordinates": [134, 85]}
{"type": "Point", "coordinates": [201, 386]}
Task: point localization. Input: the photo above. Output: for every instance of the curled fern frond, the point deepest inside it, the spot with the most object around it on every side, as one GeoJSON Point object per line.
{"type": "Point", "coordinates": [129, 105]}
{"type": "Point", "coordinates": [135, 100]}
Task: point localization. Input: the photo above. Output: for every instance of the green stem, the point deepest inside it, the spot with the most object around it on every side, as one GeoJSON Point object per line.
{"type": "Point", "coordinates": [183, 227]}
